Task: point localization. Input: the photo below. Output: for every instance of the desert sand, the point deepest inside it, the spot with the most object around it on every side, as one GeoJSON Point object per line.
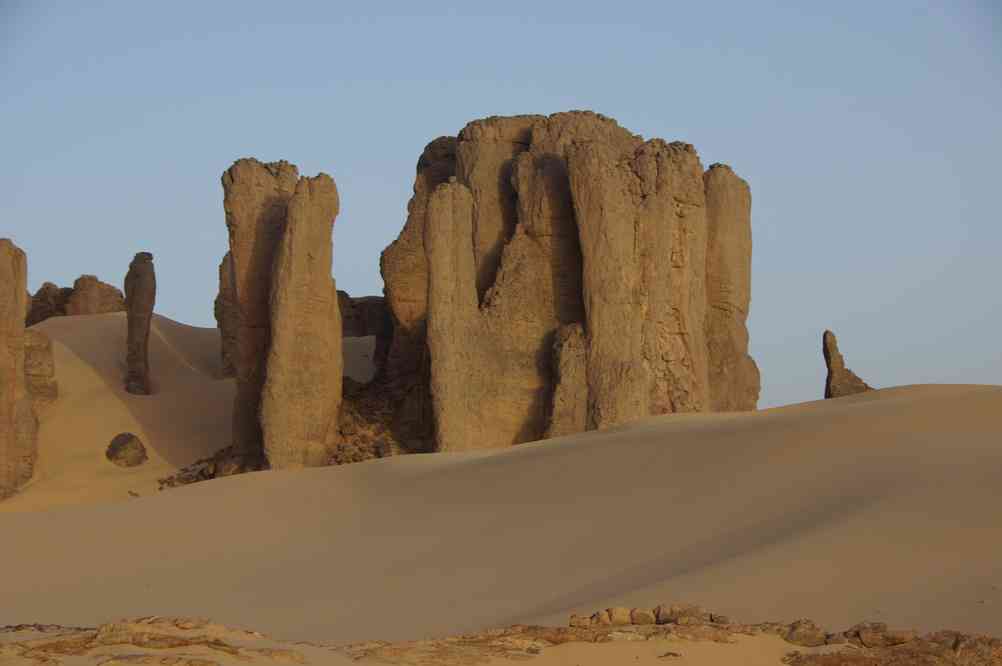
{"type": "Point", "coordinates": [880, 506]}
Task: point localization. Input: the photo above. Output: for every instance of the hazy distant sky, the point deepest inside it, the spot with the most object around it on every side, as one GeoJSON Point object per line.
{"type": "Point", "coordinates": [870, 132]}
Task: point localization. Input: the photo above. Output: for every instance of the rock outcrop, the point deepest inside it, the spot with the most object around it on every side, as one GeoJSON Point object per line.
{"type": "Point", "coordinates": [548, 223]}
{"type": "Point", "coordinates": [225, 311]}
{"type": "Point", "coordinates": [18, 422]}
{"type": "Point", "coordinates": [840, 381]}
{"type": "Point", "coordinates": [302, 390]}
{"type": "Point", "coordinates": [140, 297]}
{"type": "Point", "coordinates": [49, 301]}
{"type": "Point", "coordinates": [255, 198]}
{"type": "Point", "coordinates": [91, 296]}
{"type": "Point", "coordinates": [39, 368]}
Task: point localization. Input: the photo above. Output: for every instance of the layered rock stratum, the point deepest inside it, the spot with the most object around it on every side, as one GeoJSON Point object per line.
{"type": "Point", "coordinates": [18, 421]}
{"type": "Point", "coordinates": [524, 226]}
{"type": "Point", "coordinates": [140, 297]}
{"type": "Point", "coordinates": [840, 380]}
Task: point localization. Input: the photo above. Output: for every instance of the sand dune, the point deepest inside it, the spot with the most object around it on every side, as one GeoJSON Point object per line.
{"type": "Point", "coordinates": [880, 506]}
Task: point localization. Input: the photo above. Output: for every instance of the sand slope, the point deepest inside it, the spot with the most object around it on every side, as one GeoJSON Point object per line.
{"type": "Point", "coordinates": [882, 506]}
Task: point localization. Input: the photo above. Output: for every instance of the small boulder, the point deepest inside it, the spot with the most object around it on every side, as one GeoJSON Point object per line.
{"type": "Point", "coordinates": [126, 450]}
{"type": "Point", "coordinates": [580, 621]}
{"type": "Point", "coordinates": [601, 619]}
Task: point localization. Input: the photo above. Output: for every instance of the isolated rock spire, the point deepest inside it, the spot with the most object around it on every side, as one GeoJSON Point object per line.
{"type": "Point", "coordinates": [840, 381]}
{"type": "Point", "coordinates": [140, 297]}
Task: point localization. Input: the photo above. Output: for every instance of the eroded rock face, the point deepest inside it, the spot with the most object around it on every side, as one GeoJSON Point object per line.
{"type": "Point", "coordinates": [39, 368]}
{"type": "Point", "coordinates": [570, 220]}
{"type": "Point", "coordinates": [734, 376]}
{"type": "Point", "coordinates": [91, 296]}
{"type": "Point", "coordinates": [255, 198]}
{"type": "Point", "coordinates": [225, 311]}
{"type": "Point", "coordinates": [840, 381]}
{"type": "Point", "coordinates": [302, 389]}
{"type": "Point", "coordinates": [18, 423]}
{"type": "Point", "coordinates": [140, 297]}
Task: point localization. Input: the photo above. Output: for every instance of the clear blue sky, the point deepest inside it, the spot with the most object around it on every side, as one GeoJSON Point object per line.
{"type": "Point", "coordinates": [871, 135]}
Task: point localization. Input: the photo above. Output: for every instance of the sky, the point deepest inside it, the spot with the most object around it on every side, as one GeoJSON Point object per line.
{"type": "Point", "coordinates": [870, 134]}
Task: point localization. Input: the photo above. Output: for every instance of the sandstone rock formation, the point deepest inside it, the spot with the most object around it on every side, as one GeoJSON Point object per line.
{"type": "Point", "coordinates": [225, 311]}
{"type": "Point", "coordinates": [49, 301]}
{"type": "Point", "coordinates": [404, 268]}
{"type": "Point", "coordinates": [840, 381]}
{"type": "Point", "coordinates": [302, 389]}
{"type": "Point", "coordinates": [734, 377]}
{"type": "Point", "coordinates": [140, 297]}
{"type": "Point", "coordinates": [563, 221]}
{"type": "Point", "coordinates": [287, 341]}
{"type": "Point", "coordinates": [18, 423]}
{"type": "Point", "coordinates": [91, 296]}
{"type": "Point", "coordinates": [39, 368]}
{"type": "Point", "coordinates": [255, 199]}
{"type": "Point", "coordinates": [126, 450]}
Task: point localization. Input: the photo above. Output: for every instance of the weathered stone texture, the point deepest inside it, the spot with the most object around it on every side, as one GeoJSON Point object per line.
{"type": "Point", "coordinates": [39, 367]}
{"type": "Point", "coordinates": [255, 200]}
{"type": "Point", "coordinates": [840, 380]}
{"type": "Point", "coordinates": [140, 298]}
{"type": "Point", "coordinates": [572, 220]}
{"type": "Point", "coordinates": [225, 311]}
{"type": "Point", "coordinates": [302, 389]}
{"type": "Point", "coordinates": [569, 413]}
{"type": "Point", "coordinates": [367, 316]}
{"type": "Point", "coordinates": [734, 376]}
{"type": "Point", "coordinates": [18, 423]}
{"type": "Point", "coordinates": [91, 296]}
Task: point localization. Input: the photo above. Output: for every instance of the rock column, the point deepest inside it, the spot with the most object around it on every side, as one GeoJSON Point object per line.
{"type": "Point", "coordinates": [140, 297]}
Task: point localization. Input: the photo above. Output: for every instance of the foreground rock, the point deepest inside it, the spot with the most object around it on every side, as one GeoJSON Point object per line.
{"type": "Point", "coordinates": [532, 225]}
{"type": "Point", "coordinates": [39, 368]}
{"type": "Point", "coordinates": [140, 297]}
{"type": "Point", "coordinates": [302, 391]}
{"type": "Point", "coordinates": [198, 642]}
{"type": "Point", "coordinates": [126, 450]}
{"type": "Point", "coordinates": [840, 381]}
{"type": "Point", "coordinates": [18, 422]}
